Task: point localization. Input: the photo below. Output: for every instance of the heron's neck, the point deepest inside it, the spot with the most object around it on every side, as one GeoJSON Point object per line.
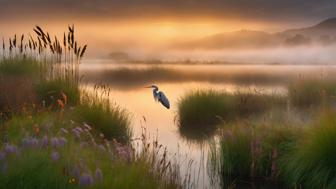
{"type": "Point", "coordinates": [155, 90]}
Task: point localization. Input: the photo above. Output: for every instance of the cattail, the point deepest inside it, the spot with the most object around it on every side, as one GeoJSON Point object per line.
{"type": "Point", "coordinates": [37, 32]}
{"type": "Point", "coordinates": [3, 44]}
{"type": "Point", "coordinates": [44, 40]}
{"type": "Point", "coordinates": [64, 40]}
{"type": "Point", "coordinates": [83, 51]}
{"type": "Point", "coordinates": [48, 38]}
{"type": "Point", "coordinates": [78, 52]}
{"type": "Point", "coordinates": [40, 30]}
{"type": "Point", "coordinates": [10, 45]}
{"type": "Point", "coordinates": [34, 45]}
{"type": "Point", "coordinates": [75, 50]}
{"type": "Point", "coordinates": [70, 29]}
{"type": "Point", "coordinates": [51, 48]}
{"type": "Point", "coordinates": [39, 41]}
{"type": "Point", "coordinates": [72, 39]}
{"type": "Point", "coordinates": [69, 38]}
{"type": "Point", "coordinates": [14, 41]}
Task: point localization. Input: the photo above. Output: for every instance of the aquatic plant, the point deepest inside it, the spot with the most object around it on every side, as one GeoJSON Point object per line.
{"type": "Point", "coordinates": [97, 111]}
{"type": "Point", "coordinates": [204, 108]}
{"type": "Point", "coordinates": [311, 162]}
{"type": "Point", "coordinates": [249, 151]}
{"type": "Point", "coordinates": [309, 93]}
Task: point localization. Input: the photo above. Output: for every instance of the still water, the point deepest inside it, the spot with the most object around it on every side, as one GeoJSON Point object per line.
{"type": "Point", "coordinates": [128, 82]}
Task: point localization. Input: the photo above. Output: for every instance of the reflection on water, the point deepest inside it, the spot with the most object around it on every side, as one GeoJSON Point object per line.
{"type": "Point", "coordinates": [127, 84]}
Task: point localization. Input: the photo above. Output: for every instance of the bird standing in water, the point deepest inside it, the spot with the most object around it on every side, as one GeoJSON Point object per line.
{"type": "Point", "coordinates": [160, 96]}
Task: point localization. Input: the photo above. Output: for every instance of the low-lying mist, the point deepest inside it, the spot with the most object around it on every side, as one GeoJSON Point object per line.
{"type": "Point", "coordinates": [275, 55]}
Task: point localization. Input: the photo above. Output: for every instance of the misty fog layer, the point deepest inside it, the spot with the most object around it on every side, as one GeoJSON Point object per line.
{"type": "Point", "coordinates": [131, 77]}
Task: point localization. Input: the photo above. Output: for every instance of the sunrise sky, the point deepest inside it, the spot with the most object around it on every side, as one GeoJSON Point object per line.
{"type": "Point", "coordinates": [124, 24]}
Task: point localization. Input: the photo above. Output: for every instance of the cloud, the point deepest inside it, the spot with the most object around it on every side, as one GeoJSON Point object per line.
{"type": "Point", "coordinates": [285, 10]}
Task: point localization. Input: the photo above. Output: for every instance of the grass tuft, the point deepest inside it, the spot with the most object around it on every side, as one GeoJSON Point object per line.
{"type": "Point", "coordinates": [209, 107]}
{"type": "Point", "coordinates": [308, 93]}
{"type": "Point", "coordinates": [20, 67]}
{"type": "Point", "coordinates": [111, 120]}
{"type": "Point", "coordinates": [312, 160]}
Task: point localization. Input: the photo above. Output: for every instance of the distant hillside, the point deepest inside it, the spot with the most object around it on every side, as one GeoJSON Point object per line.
{"type": "Point", "coordinates": [326, 27]}
{"type": "Point", "coordinates": [323, 33]}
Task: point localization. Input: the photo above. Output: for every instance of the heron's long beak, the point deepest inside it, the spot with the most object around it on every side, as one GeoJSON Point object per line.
{"type": "Point", "coordinates": [149, 87]}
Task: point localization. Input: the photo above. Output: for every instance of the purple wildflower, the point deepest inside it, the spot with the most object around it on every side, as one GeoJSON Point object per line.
{"type": "Point", "coordinates": [98, 174]}
{"type": "Point", "coordinates": [55, 156]}
{"type": "Point", "coordinates": [76, 132]}
{"type": "Point", "coordinates": [79, 129]}
{"type": "Point", "coordinates": [54, 142]}
{"type": "Point", "coordinates": [62, 141]}
{"type": "Point", "coordinates": [10, 148]}
{"type": "Point", "coordinates": [30, 142]}
{"type": "Point", "coordinates": [85, 180]}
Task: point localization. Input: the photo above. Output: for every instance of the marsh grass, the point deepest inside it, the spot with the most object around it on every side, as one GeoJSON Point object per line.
{"type": "Point", "coordinates": [311, 162]}
{"type": "Point", "coordinates": [97, 111]}
{"type": "Point", "coordinates": [250, 152]}
{"type": "Point", "coordinates": [49, 91]}
{"type": "Point", "coordinates": [20, 67]}
{"type": "Point", "coordinates": [308, 93]}
{"type": "Point", "coordinates": [208, 107]}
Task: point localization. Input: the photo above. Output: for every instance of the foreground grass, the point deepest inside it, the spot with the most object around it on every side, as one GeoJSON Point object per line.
{"type": "Point", "coordinates": [286, 155]}
{"type": "Point", "coordinates": [49, 151]}
{"type": "Point", "coordinates": [311, 162]}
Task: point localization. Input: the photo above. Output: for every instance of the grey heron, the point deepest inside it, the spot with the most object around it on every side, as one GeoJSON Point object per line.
{"type": "Point", "coordinates": [160, 96]}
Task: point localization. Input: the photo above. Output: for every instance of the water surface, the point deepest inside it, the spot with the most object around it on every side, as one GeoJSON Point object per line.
{"type": "Point", "coordinates": [128, 82]}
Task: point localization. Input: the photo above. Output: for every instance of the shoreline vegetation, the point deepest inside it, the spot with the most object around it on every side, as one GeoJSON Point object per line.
{"type": "Point", "coordinates": [56, 135]}
{"type": "Point", "coordinates": [267, 140]}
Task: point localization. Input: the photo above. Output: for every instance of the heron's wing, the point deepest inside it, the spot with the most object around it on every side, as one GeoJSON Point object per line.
{"type": "Point", "coordinates": [163, 99]}
{"type": "Point", "coordinates": [155, 95]}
